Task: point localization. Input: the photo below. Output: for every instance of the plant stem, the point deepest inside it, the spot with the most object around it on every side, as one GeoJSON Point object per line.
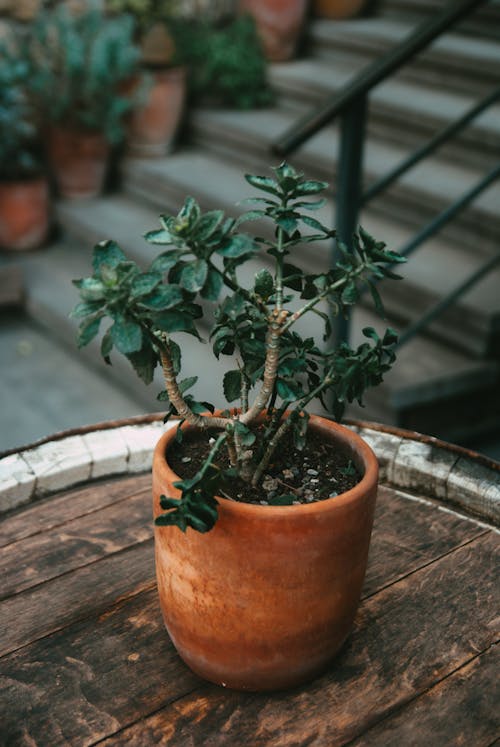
{"type": "Point", "coordinates": [279, 270]}
{"type": "Point", "coordinates": [286, 425]}
{"type": "Point", "coordinates": [175, 395]}
{"type": "Point", "coordinates": [277, 320]}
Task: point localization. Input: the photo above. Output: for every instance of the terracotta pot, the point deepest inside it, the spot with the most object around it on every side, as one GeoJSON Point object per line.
{"type": "Point", "coordinates": [265, 599]}
{"type": "Point", "coordinates": [79, 160]}
{"type": "Point", "coordinates": [279, 24]}
{"type": "Point", "coordinates": [338, 8]}
{"type": "Point", "coordinates": [153, 127]}
{"type": "Point", "coordinates": [24, 213]}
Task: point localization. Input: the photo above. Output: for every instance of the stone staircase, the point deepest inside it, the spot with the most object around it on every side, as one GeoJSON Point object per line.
{"type": "Point", "coordinates": [446, 380]}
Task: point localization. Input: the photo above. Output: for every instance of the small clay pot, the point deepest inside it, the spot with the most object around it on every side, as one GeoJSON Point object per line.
{"type": "Point", "coordinates": [279, 25]}
{"type": "Point", "coordinates": [152, 127]}
{"type": "Point", "coordinates": [24, 213]}
{"type": "Point", "coordinates": [79, 161]}
{"type": "Point", "coordinates": [338, 9]}
{"type": "Point", "coordinates": [265, 599]}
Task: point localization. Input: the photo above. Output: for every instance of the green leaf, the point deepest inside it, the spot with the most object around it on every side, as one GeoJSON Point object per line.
{"type": "Point", "coordinates": [175, 354]}
{"type": "Point", "coordinates": [292, 277]}
{"type": "Point", "coordinates": [164, 262]}
{"type": "Point", "coordinates": [144, 283]}
{"type": "Point", "coordinates": [87, 331]}
{"type": "Point", "coordinates": [286, 499]}
{"type": "Point", "coordinates": [390, 337]}
{"type": "Point", "coordinates": [175, 321]}
{"type": "Point", "coordinates": [163, 297]}
{"type": "Point", "coordinates": [250, 215]}
{"type": "Point", "coordinates": [239, 245]}
{"type": "Point", "coordinates": [213, 285]}
{"type": "Point", "coordinates": [186, 384]}
{"type": "Point", "coordinates": [310, 188]}
{"type": "Point", "coordinates": [232, 385]}
{"type": "Point", "coordinates": [106, 345]}
{"type": "Point", "coordinates": [126, 335]}
{"type": "Point", "coordinates": [208, 224]}
{"type": "Point", "coordinates": [144, 363]}
{"type": "Point", "coordinates": [86, 308]}
{"type": "Point", "coordinates": [350, 293]}
{"type": "Point", "coordinates": [107, 253]}
{"type": "Point", "coordinates": [289, 391]}
{"type": "Point", "coordinates": [313, 223]}
{"type": "Point", "coordinates": [377, 300]}
{"type": "Point", "coordinates": [90, 289]}
{"type": "Point", "coordinates": [264, 183]}
{"type": "Point", "coordinates": [159, 236]}
{"type": "Point", "coordinates": [194, 275]}
{"type": "Point", "coordinates": [264, 283]}
{"type": "Point", "coordinates": [246, 436]}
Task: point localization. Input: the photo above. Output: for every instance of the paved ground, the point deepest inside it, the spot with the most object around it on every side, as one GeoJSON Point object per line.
{"type": "Point", "coordinates": [45, 388]}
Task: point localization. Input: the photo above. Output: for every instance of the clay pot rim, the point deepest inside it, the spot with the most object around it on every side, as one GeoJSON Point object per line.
{"type": "Point", "coordinates": [365, 453]}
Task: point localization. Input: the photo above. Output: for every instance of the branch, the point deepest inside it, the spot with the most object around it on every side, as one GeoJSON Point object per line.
{"type": "Point", "coordinates": [175, 395]}
{"type": "Point", "coordinates": [270, 367]}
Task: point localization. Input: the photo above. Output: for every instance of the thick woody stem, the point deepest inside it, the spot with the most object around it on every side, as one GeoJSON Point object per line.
{"type": "Point", "coordinates": [177, 400]}
{"type": "Point", "coordinates": [270, 368]}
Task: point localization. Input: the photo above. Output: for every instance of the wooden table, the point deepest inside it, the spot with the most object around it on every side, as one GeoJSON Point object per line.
{"type": "Point", "coordinates": [85, 658]}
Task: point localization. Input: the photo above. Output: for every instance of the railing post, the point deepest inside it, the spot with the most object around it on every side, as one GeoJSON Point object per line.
{"type": "Point", "coordinates": [349, 187]}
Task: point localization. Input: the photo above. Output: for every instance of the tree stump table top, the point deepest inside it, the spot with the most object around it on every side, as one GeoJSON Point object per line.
{"type": "Point", "coordinates": [85, 658]}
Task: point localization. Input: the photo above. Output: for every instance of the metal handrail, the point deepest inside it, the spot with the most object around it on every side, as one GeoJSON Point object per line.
{"type": "Point", "coordinates": [374, 74]}
{"type": "Point", "coordinates": [439, 138]}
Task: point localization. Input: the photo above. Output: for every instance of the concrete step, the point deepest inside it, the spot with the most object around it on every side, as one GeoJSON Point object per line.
{"type": "Point", "coordinates": [433, 271]}
{"type": "Point", "coordinates": [413, 201]}
{"type": "Point", "coordinates": [483, 22]}
{"type": "Point", "coordinates": [44, 387]}
{"type": "Point", "coordinates": [426, 371]}
{"type": "Point", "coordinates": [304, 84]}
{"type": "Point", "coordinates": [464, 64]}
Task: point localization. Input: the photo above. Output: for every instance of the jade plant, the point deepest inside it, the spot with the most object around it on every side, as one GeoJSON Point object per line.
{"type": "Point", "coordinates": [277, 372]}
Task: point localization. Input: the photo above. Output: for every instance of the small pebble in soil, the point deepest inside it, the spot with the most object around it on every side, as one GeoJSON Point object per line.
{"type": "Point", "coordinates": [314, 481]}
{"type": "Point", "coordinates": [211, 441]}
{"type": "Point", "coordinates": [186, 460]}
{"type": "Point", "coordinates": [264, 503]}
{"type": "Point", "coordinates": [288, 474]}
{"type": "Point", "coordinates": [312, 472]}
{"type": "Point", "coordinates": [333, 495]}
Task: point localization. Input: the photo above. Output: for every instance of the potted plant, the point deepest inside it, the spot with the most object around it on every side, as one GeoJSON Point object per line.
{"type": "Point", "coordinates": [24, 191]}
{"type": "Point", "coordinates": [338, 9]}
{"type": "Point", "coordinates": [263, 511]}
{"type": "Point", "coordinates": [161, 85]}
{"type": "Point", "coordinates": [227, 63]}
{"type": "Point", "coordinates": [279, 23]}
{"type": "Point", "coordinates": [81, 62]}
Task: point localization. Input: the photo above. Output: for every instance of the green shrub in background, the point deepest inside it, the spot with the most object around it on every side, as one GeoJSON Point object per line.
{"type": "Point", "coordinates": [81, 65]}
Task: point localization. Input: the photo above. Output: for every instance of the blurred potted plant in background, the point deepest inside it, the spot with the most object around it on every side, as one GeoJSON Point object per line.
{"type": "Point", "coordinates": [81, 62]}
{"type": "Point", "coordinates": [227, 63]}
{"type": "Point", "coordinates": [154, 123]}
{"type": "Point", "coordinates": [338, 9]}
{"type": "Point", "coordinates": [24, 190]}
{"type": "Point", "coordinates": [279, 23]}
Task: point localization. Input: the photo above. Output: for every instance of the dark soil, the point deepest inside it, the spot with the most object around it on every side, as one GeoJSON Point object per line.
{"type": "Point", "coordinates": [318, 472]}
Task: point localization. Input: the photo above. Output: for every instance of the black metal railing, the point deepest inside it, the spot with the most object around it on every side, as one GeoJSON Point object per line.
{"type": "Point", "coordinates": [351, 106]}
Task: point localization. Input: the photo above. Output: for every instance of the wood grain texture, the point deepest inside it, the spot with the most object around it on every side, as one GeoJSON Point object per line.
{"type": "Point", "coordinates": [65, 506]}
{"type": "Point", "coordinates": [86, 592]}
{"type": "Point", "coordinates": [460, 710]}
{"type": "Point", "coordinates": [85, 656]}
{"type": "Point", "coordinates": [87, 681]}
{"type": "Point", "coordinates": [64, 548]}
{"type": "Point", "coordinates": [407, 637]}
{"type": "Point", "coordinates": [408, 534]}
